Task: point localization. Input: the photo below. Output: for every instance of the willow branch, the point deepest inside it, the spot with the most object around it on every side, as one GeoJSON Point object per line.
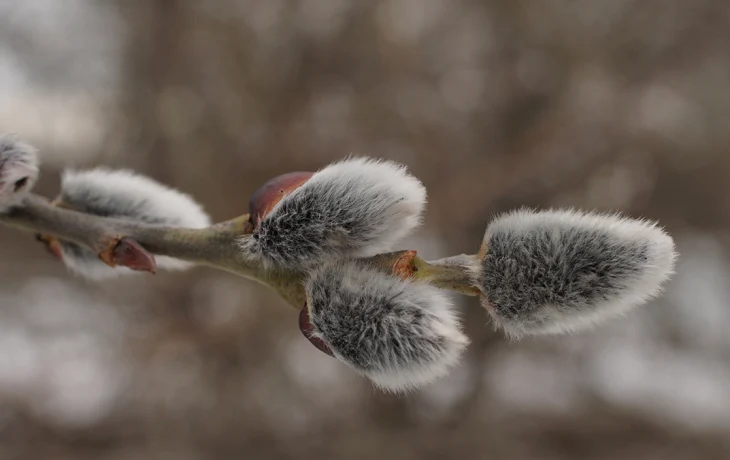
{"type": "Point", "coordinates": [216, 246]}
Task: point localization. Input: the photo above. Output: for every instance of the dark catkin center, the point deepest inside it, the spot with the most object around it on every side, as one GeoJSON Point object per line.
{"type": "Point", "coordinates": [563, 268]}
{"type": "Point", "coordinates": [319, 217]}
{"type": "Point", "coordinates": [371, 330]}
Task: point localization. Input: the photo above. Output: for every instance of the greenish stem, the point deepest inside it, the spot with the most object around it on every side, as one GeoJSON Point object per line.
{"type": "Point", "coordinates": [451, 273]}
{"type": "Point", "coordinates": [216, 246]}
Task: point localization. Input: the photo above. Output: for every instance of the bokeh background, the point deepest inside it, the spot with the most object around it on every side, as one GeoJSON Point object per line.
{"type": "Point", "coordinates": [494, 104]}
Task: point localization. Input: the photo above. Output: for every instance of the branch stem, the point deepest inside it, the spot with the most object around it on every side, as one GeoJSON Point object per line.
{"type": "Point", "coordinates": [216, 246]}
{"type": "Point", "coordinates": [35, 214]}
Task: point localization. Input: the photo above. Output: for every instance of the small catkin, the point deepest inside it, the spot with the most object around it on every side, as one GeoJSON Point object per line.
{"type": "Point", "coordinates": [125, 195]}
{"type": "Point", "coordinates": [18, 170]}
{"type": "Point", "coordinates": [400, 334]}
{"type": "Point", "coordinates": [354, 208]}
{"type": "Point", "coordinates": [558, 271]}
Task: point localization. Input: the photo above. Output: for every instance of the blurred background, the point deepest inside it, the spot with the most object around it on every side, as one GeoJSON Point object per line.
{"type": "Point", "coordinates": [494, 104]}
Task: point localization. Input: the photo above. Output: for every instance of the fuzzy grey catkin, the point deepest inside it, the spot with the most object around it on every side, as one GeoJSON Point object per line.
{"type": "Point", "coordinates": [18, 170]}
{"type": "Point", "coordinates": [560, 271]}
{"type": "Point", "coordinates": [353, 208]}
{"type": "Point", "coordinates": [125, 195]}
{"type": "Point", "coordinates": [400, 334]}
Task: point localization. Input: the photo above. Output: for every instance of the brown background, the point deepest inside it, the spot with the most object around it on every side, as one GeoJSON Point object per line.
{"type": "Point", "coordinates": [600, 104]}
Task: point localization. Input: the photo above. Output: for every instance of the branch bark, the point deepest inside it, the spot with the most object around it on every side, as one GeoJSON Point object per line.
{"type": "Point", "coordinates": [216, 246]}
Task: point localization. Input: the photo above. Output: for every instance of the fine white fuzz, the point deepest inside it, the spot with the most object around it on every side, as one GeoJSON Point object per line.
{"type": "Point", "coordinates": [555, 271]}
{"type": "Point", "coordinates": [353, 208]}
{"type": "Point", "coordinates": [125, 195]}
{"type": "Point", "coordinates": [400, 334]}
{"type": "Point", "coordinates": [18, 170]}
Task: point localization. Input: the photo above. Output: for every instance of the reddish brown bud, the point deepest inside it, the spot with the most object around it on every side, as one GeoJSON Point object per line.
{"type": "Point", "coordinates": [269, 194]}
{"type": "Point", "coordinates": [404, 267]}
{"type": "Point", "coordinates": [128, 253]}
{"type": "Point", "coordinates": [308, 330]}
{"type": "Point", "coordinates": [52, 245]}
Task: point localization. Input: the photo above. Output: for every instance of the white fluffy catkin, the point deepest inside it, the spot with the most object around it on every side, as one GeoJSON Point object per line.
{"type": "Point", "coordinates": [400, 334]}
{"type": "Point", "coordinates": [558, 271]}
{"type": "Point", "coordinates": [126, 195]}
{"type": "Point", "coordinates": [353, 208]}
{"type": "Point", "coordinates": [18, 170]}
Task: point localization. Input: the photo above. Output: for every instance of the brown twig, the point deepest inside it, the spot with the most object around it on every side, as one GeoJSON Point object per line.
{"type": "Point", "coordinates": [132, 244]}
